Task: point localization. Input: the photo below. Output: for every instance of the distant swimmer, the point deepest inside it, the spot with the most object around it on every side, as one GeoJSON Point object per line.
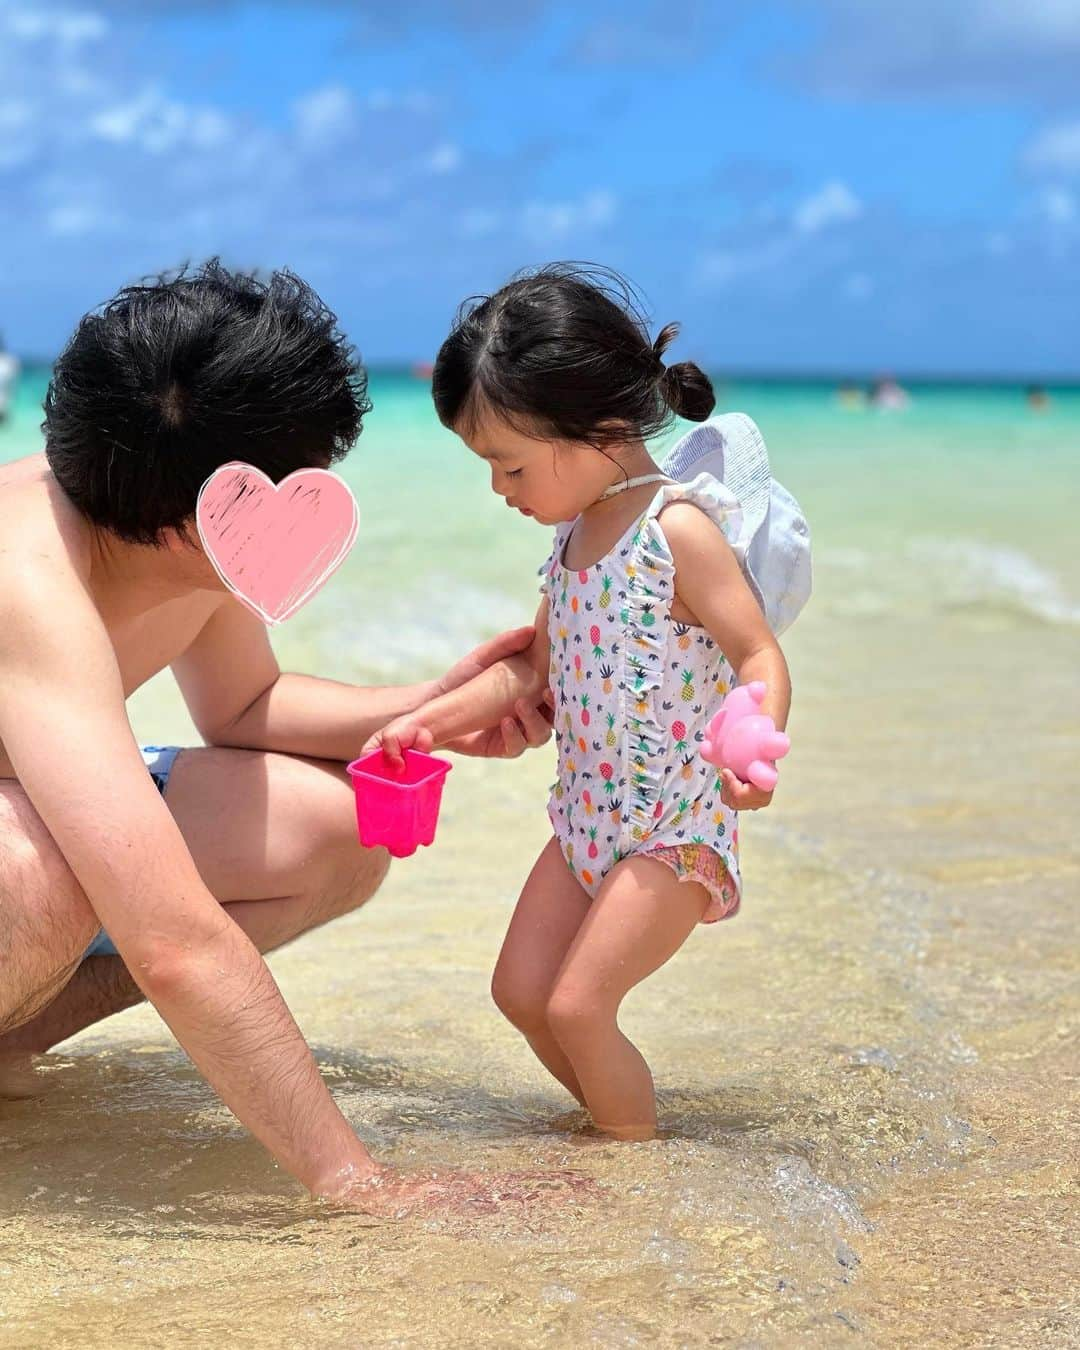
{"type": "Point", "coordinates": [850, 395]}
{"type": "Point", "coordinates": [9, 373]}
{"type": "Point", "coordinates": [1038, 400]}
{"type": "Point", "coordinates": [889, 395]}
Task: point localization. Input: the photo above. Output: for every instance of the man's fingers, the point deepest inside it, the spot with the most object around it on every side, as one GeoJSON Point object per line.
{"type": "Point", "coordinates": [513, 738]}
{"type": "Point", "coordinates": [505, 644]}
{"type": "Point", "coordinates": [534, 723]}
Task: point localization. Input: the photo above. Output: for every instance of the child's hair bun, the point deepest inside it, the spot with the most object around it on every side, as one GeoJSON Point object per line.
{"type": "Point", "coordinates": [685, 387]}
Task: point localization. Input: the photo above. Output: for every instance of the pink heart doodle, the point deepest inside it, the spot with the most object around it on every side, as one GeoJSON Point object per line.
{"type": "Point", "coordinates": [274, 547]}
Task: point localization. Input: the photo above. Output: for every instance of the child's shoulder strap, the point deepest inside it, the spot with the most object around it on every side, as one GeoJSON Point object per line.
{"type": "Point", "coordinates": [769, 532]}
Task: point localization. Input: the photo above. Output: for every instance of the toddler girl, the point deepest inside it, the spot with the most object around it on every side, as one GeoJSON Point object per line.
{"type": "Point", "coordinates": [646, 621]}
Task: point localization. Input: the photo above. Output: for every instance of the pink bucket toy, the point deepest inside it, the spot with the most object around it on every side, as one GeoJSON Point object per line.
{"type": "Point", "coordinates": [396, 809]}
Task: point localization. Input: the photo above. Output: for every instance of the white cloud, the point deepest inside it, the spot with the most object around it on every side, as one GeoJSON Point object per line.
{"type": "Point", "coordinates": [15, 114]}
{"type": "Point", "coordinates": [325, 114]}
{"type": "Point", "coordinates": [69, 27]}
{"type": "Point", "coordinates": [834, 204]}
{"type": "Point", "coordinates": [444, 159]}
{"type": "Point", "coordinates": [546, 220]}
{"type": "Point", "coordinates": [477, 223]}
{"type": "Point", "coordinates": [925, 49]}
{"type": "Point", "coordinates": [157, 124]}
{"type": "Point", "coordinates": [1058, 205]}
{"type": "Point", "coordinates": [73, 220]}
{"type": "Point", "coordinates": [1050, 21]}
{"type": "Point", "coordinates": [410, 100]}
{"type": "Point", "coordinates": [1055, 149]}
{"type": "Point", "coordinates": [718, 268]}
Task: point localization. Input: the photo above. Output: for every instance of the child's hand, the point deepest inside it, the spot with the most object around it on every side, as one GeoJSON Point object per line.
{"type": "Point", "coordinates": [404, 733]}
{"type": "Point", "coordinates": [740, 796]}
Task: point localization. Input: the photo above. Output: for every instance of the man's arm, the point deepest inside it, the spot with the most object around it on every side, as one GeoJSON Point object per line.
{"type": "Point", "coordinates": [62, 694]}
{"type": "Point", "coordinates": [238, 696]}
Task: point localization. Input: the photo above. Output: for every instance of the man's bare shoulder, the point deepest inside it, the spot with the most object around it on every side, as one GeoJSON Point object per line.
{"type": "Point", "coordinates": [40, 531]}
{"type": "Point", "coordinates": [53, 565]}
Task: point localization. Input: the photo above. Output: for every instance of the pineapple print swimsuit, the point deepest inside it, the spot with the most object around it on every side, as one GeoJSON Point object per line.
{"type": "Point", "coordinates": [634, 691]}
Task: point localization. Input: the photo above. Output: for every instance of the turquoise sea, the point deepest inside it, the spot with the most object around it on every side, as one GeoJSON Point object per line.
{"type": "Point", "coordinates": [964, 503]}
{"type": "Point", "coordinates": [867, 1078]}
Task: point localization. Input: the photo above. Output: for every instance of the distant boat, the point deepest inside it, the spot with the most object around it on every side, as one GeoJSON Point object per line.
{"type": "Point", "coordinates": [9, 373]}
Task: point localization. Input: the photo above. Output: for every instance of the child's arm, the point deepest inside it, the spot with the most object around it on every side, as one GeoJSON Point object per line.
{"type": "Point", "coordinates": [483, 702]}
{"type": "Point", "coordinates": [710, 583]}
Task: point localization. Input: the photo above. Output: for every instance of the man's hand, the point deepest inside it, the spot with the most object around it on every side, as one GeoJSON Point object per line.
{"type": "Point", "coordinates": [391, 1194]}
{"type": "Point", "coordinates": [478, 660]}
{"type": "Point", "coordinates": [511, 737]}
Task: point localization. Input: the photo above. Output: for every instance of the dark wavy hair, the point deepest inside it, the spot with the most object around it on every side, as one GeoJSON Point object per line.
{"type": "Point", "coordinates": [563, 351]}
{"type": "Point", "coordinates": [172, 378]}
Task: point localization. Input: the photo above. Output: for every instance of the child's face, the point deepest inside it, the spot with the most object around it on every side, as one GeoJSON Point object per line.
{"type": "Point", "coordinates": [550, 481]}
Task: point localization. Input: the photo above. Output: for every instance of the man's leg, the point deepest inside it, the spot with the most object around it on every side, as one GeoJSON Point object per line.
{"type": "Point", "coordinates": [273, 836]}
{"type": "Point", "coordinates": [45, 920]}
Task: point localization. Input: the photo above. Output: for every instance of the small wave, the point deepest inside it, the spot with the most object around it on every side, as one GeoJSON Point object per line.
{"type": "Point", "coordinates": [976, 575]}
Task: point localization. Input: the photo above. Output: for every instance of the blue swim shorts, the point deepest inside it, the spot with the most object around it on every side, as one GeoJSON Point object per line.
{"type": "Point", "coordinates": [159, 759]}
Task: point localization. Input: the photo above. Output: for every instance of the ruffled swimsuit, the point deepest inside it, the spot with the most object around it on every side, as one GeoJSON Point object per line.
{"type": "Point", "coordinates": [634, 691]}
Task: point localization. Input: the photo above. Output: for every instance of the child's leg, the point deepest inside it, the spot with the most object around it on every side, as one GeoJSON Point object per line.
{"type": "Point", "coordinates": [548, 915]}
{"type": "Point", "coordinates": [641, 917]}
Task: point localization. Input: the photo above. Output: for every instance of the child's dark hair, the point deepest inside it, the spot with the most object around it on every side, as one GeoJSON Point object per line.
{"type": "Point", "coordinates": [173, 378]}
{"type": "Point", "coordinates": [563, 351]}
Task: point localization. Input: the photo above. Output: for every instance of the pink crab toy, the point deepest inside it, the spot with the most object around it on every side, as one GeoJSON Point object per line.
{"type": "Point", "coordinates": [745, 741]}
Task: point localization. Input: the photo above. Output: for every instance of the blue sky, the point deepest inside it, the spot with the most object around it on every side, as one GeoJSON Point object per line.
{"type": "Point", "coordinates": [807, 185]}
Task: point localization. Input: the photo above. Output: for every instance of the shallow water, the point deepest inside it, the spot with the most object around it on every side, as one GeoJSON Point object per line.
{"type": "Point", "coordinates": [867, 1079]}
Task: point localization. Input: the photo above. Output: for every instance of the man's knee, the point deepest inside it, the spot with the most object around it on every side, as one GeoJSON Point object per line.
{"type": "Point", "coordinates": [328, 805]}
{"type": "Point", "coordinates": [45, 916]}
{"type": "Point", "coordinates": [39, 894]}
{"type": "Point", "coordinates": [352, 876]}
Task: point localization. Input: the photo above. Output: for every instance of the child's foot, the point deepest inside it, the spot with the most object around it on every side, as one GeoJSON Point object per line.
{"type": "Point", "coordinates": [574, 1121]}
{"type": "Point", "coordinates": [636, 1134]}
